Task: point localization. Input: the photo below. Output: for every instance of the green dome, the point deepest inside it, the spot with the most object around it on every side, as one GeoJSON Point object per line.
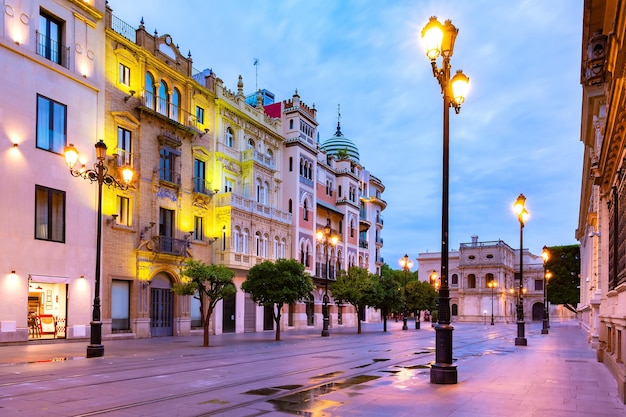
{"type": "Point", "coordinates": [339, 144]}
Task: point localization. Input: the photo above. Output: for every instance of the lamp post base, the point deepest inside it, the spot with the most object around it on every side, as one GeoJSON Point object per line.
{"type": "Point", "coordinates": [404, 325]}
{"type": "Point", "coordinates": [442, 373]}
{"type": "Point", "coordinates": [521, 341]}
{"type": "Point", "coordinates": [95, 351]}
{"type": "Point", "coordinates": [544, 330]}
{"type": "Point", "coordinates": [325, 333]}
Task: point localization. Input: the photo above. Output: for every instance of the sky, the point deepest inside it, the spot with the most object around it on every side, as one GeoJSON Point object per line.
{"type": "Point", "coordinates": [518, 130]}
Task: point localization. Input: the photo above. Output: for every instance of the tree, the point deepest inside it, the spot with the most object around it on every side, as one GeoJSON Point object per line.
{"type": "Point", "coordinates": [389, 297]}
{"type": "Point", "coordinates": [357, 287]}
{"type": "Point", "coordinates": [563, 286]}
{"type": "Point", "coordinates": [210, 283]}
{"type": "Point", "coordinates": [420, 296]}
{"type": "Point", "coordinates": [274, 284]}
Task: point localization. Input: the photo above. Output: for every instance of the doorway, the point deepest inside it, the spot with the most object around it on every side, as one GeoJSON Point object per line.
{"type": "Point", "coordinates": [47, 309]}
{"type": "Point", "coordinates": [161, 306]}
{"type": "Point", "coordinates": [268, 318]}
{"type": "Point", "coordinates": [538, 311]}
{"type": "Point", "coordinates": [228, 316]}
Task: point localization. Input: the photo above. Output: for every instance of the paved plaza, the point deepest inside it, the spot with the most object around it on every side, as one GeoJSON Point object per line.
{"type": "Point", "coordinates": [373, 374]}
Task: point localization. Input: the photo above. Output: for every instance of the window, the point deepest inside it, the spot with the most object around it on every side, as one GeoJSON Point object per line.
{"type": "Point", "coordinates": [290, 163]}
{"type": "Point", "coordinates": [305, 210]}
{"type": "Point", "coordinates": [290, 206]}
{"type": "Point", "coordinates": [455, 280]}
{"type": "Point", "coordinates": [229, 185]}
{"type": "Point", "coordinates": [150, 93]}
{"type": "Point", "coordinates": [49, 214]}
{"type": "Point", "coordinates": [124, 75]}
{"type": "Point", "coordinates": [168, 166]}
{"type": "Point", "coordinates": [199, 115]}
{"type": "Point", "coordinates": [229, 137]}
{"type": "Point", "coordinates": [250, 144]}
{"type": "Point", "coordinates": [123, 211]}
{"type": "Point", "coordinates": [454, 310]}
{"type": "Point", "coordinates": [51, 125]}
{"type": "Point", "coordinates": [120, 306]}
{"type": "Point", "coordinates": [124, 147]}
{"type": "Point", "coordinates": [291, 124]}
{"type": "Point", "coordinates": [175, 112]}
{"type": "Point", "coordinates": [471, 281]}
{"type": "Point", "coordinates": [49, 38]}
{"type": "Point", "coordinates": [163, 99]}
{"type": "Point", "coordinates": [198, 229]}
{"type": "Point", "coordinates": [538, 285]}
{"type": "Point", "coordinates": [488, 278]}
{"type": "Point", "coordinates": [199, 185]}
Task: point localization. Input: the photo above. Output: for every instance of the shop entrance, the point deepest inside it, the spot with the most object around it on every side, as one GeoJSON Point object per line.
{"type": "Point", "coordinates": [47, 308]}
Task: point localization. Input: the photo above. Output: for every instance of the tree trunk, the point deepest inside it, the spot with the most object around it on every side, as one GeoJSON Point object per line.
{"type": "Point", "coordinates": [418, 317]}
{"type": "Point", "coordinates": [358, 320]}
{"type": "Point", "coordinates": [277, 321]}
{"type": "Point", "coordinates": [384, 312]}
{"type": "Point", "coordinates": [205, 325]}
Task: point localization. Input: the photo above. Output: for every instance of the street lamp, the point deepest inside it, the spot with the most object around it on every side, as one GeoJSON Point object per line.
{"type": "Point", "coordinates": [492, 284]}
{"type": "Point", "coordinates": [545, 254]}
{"type": "Point", "coordinates": [522, 216]}
{"type": "Point", "coordinates": [98, 174]}
{"type": "Point", "coordinates": [439, 41]}
{"type": "Point", "coordinates": [326, 238]}
{"type": "Point", "coordinates": [406, 264]}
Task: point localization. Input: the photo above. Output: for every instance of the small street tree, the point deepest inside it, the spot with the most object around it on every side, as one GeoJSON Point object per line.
{"type": "Point", "coordinates": [274, 284]}
{"type": "Point", "coordinates": [420, 296]}
{"type": "Point", "coordinates": [210, 283]}
{"type": "Point", "coordinates": [357, 287]}
{"type": "Point", "coordinates": [389, 297]}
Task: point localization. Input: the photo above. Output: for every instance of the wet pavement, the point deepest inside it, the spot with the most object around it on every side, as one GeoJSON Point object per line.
{"type": "Point", "coordinates": [373, 374]}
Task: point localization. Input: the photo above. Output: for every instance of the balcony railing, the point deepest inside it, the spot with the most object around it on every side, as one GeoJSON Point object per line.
{"type": "Point", "coordinates": [230, 199]}
{"type": "Point", "coordinates": [170, 245]}
{"type": "Point", "coordinates": [253, 154]}
{"type": "Point", "coordinates": [170, 110]}
{"type": "Point", "coordinates": [53, 50]}
{"type": "Point", "coordinates": [169, 176]}
{"type": "Point", "coordinates": [123, 28]}
{"type": "Point", "coordinates": [202, 186]}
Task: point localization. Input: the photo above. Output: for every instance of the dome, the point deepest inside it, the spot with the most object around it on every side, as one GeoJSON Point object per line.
{"type": "Point", "coordinates": [339, 144]}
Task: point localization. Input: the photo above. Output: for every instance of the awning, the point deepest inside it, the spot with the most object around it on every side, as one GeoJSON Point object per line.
{"type": "Point", "coordinates": [329, 207]}
{"type": "Point", "coordinates": [49, 279]}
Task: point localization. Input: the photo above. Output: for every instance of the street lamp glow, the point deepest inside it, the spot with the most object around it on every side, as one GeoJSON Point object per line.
{"type": "Point", "coordinates": [460, 87]}
{"type": "Point", "coordinates": [326, 238]}
{"type": "Point", "coordinates": [432, 34]}
{"type": "Point", "coordinates": [71, 155]}
{"type": "Point", "coordinates": [406, 264]}
{"type": "Point", "coordinates": [522, 216]}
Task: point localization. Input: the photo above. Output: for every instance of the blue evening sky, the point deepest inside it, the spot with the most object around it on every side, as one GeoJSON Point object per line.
{"type": "Point", "coordinates": [518, 131]}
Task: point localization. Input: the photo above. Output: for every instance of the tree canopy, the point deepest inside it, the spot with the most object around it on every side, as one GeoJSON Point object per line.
{"type": "Point", "coordinates": [274, 284]}
{"type": "Point", "coordinates": [564, 284]}
{"type": "Point", "coordinates": [358, 287]}
{"type": "Point", "coordinates": [210, 283]}
{"type": "Point", "coordinates": [389, 297]}
{"type": "Point", "coordinates": [421, 296]}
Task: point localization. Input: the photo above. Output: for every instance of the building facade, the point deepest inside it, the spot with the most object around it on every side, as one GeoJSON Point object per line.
{"type": "Point", "coordinates": [218, 177]}
{"type": "Point", "coordinates": [602, 215]}
{"type": "Point", "coordinates": [52, 84]}
{"type": "Point", "coordinates": [484, 279]}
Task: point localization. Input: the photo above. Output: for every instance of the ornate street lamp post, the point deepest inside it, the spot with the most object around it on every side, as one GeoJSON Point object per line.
{"type": "Point", "coordinates": [546, 276]}
{"type": "Point", "coordinates": [522, 216]}
{"type": "Point", "coordinates": [406, 264]}
{"type": "Point", "coordinates": [439, 41]}
{"type": "Point", "coordinates": [492, 284]}
{"type": "Point", "coordinates": [98, 174]}
{"type": "Point", "coordinates": [326, 239]}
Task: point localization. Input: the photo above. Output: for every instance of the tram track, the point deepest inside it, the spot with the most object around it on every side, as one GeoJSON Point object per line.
{"type": "Point", "coordinates": [354, 366]}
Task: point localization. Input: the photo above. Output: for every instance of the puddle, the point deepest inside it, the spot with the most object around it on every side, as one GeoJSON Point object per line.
{"type": "Point", "coordinates": [415, 367]}
{"type": "Point", "coordinates": [328, 375]}
{"type": "Point", "coordinates": [308, 402]}
{"type": "Point", "coordinates": [263, 391]}
{"type": "Point", "coordinates": [368, 364]}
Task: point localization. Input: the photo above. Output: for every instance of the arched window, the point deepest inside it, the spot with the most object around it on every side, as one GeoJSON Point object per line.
{"type": "Point", "coordinates": [291, 124]}
{"type": "Point", "coordinates": [290, 163]}
{"type": "Point", "coordinates": [265, 244]}
{"type": "Point", "coordinates": [258, 244]}
{"type": "Point", "coordinates": [301, 167]}
{"type": "Point", "coordinates": [266, 193]}
{"type": "Point", "coordinates": [237, 244]}
{"type": "Point", "coordinates": [244, 237]}
{"type": "Point", "coordinates": [290, 208]}
{"type": "Point", "coordinates": [150, 96]}
{"type": "Point", "coordinates": [305, 212]}
{"type": "Point", "coordinates": [259, 191]}
{"type": "Point", "coordinates": [223, 237]}
{"type": "Point", "coordinates": [454, 310]}
{"type": "Point", "coordinates": [175, 105]}
{"type": "Point", "coordinates": [455, 280]}
{"type": "Point", "coordinates": [229, 137]}
{"type": "Point", "coordinates": [488, 278]}
{"type": "Point", "coordinates": [163, 99]}
{"type": "Point", "coordinates": [250, 143]}
{"type": "Point", "coordinates": [471, 281]}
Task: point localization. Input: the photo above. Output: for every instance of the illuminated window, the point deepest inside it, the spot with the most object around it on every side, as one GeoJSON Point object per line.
{"type": "Point", "coordinates": [199, 115]}
{"type": "Point", "coordinates": [51, 125]}
{"type": "Point", "coordinates": [229, 137]}
{"type": "Point", "coordinates": [198, 229]}
{"type": "Point", "coordinates": [49, 214]}
{"type": "Point", "coordinates": [163, 99]}
{"type": "Point", "coordinates": [175, 113]}
{"type": "Point", "coordinates": [150, 93]}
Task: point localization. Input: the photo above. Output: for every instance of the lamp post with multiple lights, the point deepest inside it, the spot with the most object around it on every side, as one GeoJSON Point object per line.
{"type": "Point", "coordinates": [326, 239]}
{"type": "Point", "coordinates": [406, 265]}
{"type": "Point", "coordinates": [522, 216]}
{"type": "Point", "coordinates": [99, 174]}
{"type": "Point", "coordinates": [492, 284]}
{"type": "Point", "coordinates": [545, 254]}
{"type": "Point", "coordinates": [439, 41]}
